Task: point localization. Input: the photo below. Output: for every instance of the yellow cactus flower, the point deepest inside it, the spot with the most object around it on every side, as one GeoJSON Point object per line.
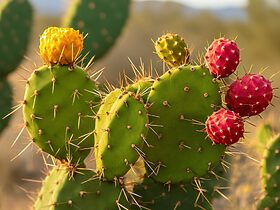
{"type": "Point", "coordinates": [60, 45]}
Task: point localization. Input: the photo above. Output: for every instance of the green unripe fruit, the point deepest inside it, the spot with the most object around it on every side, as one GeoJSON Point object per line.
{"type": "Point", "coordinates": [172, 49]}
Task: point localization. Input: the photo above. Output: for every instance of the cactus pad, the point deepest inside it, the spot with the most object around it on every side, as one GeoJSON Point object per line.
{"type": "Point", "coordinates": [271, 169]}
{"type": "Point", "coordinates": [268, 203]}
{"type": "Point", "coordinates": [121, 135]}
{"type": "Point", "coordinates": [157, 196]}
{"type": "Point", "coordinates": [61, 190]}
{"type": "Point", "coordinates": [5, 102]}
{"type": "Point", "coordinates": [178, 149]}
{"type": "Point", "coordinates": [15, 29]}
{"type": "Point", "coordinates": [58, 110]}
{"type": "Point", "coordinates": [103, 20]}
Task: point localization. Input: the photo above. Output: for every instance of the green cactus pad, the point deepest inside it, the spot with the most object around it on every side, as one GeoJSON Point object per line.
{"type": "Point", "coordinates": [15, 30]}
{"type": "Point", "coordinates": [102, 20]}
{"type": "Point", "coordinates": [172, 49]}
{"type": "Point", "coordinates": [271, 168]}
{"type": "Point", "coordinates": [104, 109]}
{"type": "Point", "coordinates": [268, 203]}
{"type": "Point", "coordinates": [59, 106]}
{"type": "Point", "coordinates": [179, 148]}
{"type": "Point", "coordinates": [120, 135]}
{"type": "Point", "coordinates": [5, 102]}
{"type": "Point", "coordinates": [157, 196]}
{"type": "Point", "coordinates": [263, 136]}
{"type": "Point", "coordinates": [62, 190]}
{"type": "Point", "coordinates": [141, 87]}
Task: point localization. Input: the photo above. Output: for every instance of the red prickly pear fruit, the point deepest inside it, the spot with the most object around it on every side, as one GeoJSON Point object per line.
{"type": "Point", "coordinates": [224, 127]}
{"type": "Point", "coordinates": [222, 57]}
{"type": "Point", "coordinates": [249, 95]}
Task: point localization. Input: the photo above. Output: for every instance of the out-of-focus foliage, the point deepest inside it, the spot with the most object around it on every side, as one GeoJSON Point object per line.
{"type": "Point", "coordinates": [264, 23]}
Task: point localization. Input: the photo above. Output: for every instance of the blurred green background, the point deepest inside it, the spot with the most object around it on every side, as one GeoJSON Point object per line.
{"type": "Point", "coordinates": [255, 23]}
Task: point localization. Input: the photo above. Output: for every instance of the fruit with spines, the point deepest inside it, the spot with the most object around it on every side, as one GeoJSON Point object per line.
{"type": "Point", "coordinates": [222, 57]}
{"type": "Point", "coordinates": [58, 110]}
{"type": "Point", "coordinates": [102, 20]}
{"type": "Point", "coordinates": [172, 49]}
{"type": "Point", "coordinates": [60, 45]}
{"type": "Point", "coordinates": [63, 189]}
{"type": "Point", "coordinates": [249, 95]}
{"type": "Point", "coordinates": [15, 26]}
{"type": "Point", "coordinates": [224, 127]}
{"type": "Point", "coordinates": [127, 118]}
{"type": "Point", "coordinates": [177, 97]}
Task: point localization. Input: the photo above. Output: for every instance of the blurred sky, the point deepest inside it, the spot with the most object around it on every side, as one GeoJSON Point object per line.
{"type": "Point", "coordinates": [210, 4]}
{"type": "Point", "coordinates": [56, 7]}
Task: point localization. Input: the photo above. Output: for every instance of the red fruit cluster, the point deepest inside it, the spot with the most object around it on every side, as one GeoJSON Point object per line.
{"type": "Point", "coordinates": [249, 95]}
{"type": "Point", "coordinates": [222, 57]}
{"type": "Point", "coordinates": [224, 127]}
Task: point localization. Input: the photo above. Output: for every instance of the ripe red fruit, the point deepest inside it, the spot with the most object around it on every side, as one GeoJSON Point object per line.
{"type": "Point", "coordinates": [222, 57]}
{"type": "Point", "coordinates": [224, 127]}
{"type": "Point", "coordinates": [249, 95]}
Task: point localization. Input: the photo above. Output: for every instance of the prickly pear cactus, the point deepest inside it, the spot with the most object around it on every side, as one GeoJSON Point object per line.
{"type": "Point", "coordinates": [176, 98]}
{"type": "Point", "coordinates": [102, 20]}
{"type": "Point", "coordinates": [15, 30]}
{"type": "Point", "coordinates": [63, 189]}
{"type": "Point", "coordinates": [156, 142]}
